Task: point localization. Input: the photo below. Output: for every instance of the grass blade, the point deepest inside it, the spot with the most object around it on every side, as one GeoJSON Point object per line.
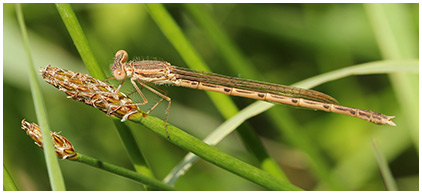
{"type": "Point", "coordinates": [54, 172]}
{"type": "Point", "coordinates": [138, 160]}
{"type": "Point", "coordinates": [386, 175]}
{"type": "Point", "coordinates": [215, 137]}
{"type": "Point", "coordinates": [78, 37]}
{"type": "Point", "coordinates": [81, 43]}
{"type": "Point", "coordinates": [376, 67]}
{"type": "Point", "coordinates": [212, 154]}
{"type": "Point", "coordinates": [8, 183]}
{"type": "Point", "coordinates": [170, 29]}
{"type": "Point", "coordinates": [237, 62]}
{"type": "Point", "coordinates": [235, 59]}
{"type": "Point", "coordinates": [145, 179]}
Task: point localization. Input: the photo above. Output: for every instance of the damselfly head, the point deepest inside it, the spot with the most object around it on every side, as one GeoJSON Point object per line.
{"type": "Point", "coordinates": [118, 68]}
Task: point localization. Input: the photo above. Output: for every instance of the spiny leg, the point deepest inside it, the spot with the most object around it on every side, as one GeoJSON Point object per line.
{"type": "Point", "coordinates": [162, 97]}
{"type": "Point", "coordinates": [139, 92]}
{"type": "Point", "coordinates": [130, 94]}
{"type": "Point", "coordinates": [141, 88]}
{"type": "Point", "coordinates": [155, 88]}
{"type": "Point", "coordinates": [115, 92]}
{"type": "Point", "coordinates": [145, 100]}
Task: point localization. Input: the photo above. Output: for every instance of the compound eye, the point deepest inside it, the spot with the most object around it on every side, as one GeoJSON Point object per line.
{"type": "Point", "coordinates": [119, 74]}
{"type": "Point", "coordinates": [121, 55]}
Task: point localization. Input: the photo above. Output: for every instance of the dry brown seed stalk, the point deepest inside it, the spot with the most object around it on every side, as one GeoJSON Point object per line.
{"type": "Point", "coordinates": [86, 89]}
{"type": "Point", "coordinates": [64, 149]}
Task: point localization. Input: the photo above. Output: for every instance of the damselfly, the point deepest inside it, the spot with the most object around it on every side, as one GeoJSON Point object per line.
{"type": "Point", "coordinates": [161, 72]}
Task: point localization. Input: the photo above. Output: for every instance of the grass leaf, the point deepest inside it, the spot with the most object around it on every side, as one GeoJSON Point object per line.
{"type": "Point", "coordinates": [212, 154]}
{"type": "Point", "coordinates": [140, 177]}
{"type": "Point", "coordinates": [8, 183]}
{"type": "Point", "coordinates": [386, 175]}
{"type": "Point", "coordinates": [81, 43]}
{"type": "Point", "coordinates": [54, 172]}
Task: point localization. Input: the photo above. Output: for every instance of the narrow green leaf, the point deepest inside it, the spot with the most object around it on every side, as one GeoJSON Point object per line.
{"type": "Point", "coordinates": [237, 62]}
{"type": "Point", "coordinates": [147, 180]}
{"type": "Point", "coordinates": [387, 177]}
{"type": "Point", "coordinates": [212, 154]}
{"type": "Point", "coordinates": [376, 67]}
{"type": "Point", "coordinates": [54, 172]}
{"type": "Point", "coordinates": [175, 35]}
{"type": "Point", "coordinates": [81, 43]}
{"type": "Point", "coordinates": [8, 183]}
{"type": "Point", "coordinates": [78, 37]}
{"type": "Point", "coordinates": [138, 160]}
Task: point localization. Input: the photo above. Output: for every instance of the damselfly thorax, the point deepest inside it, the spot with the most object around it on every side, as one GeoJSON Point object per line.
{"type": "Point", "coordinates": [150, 72]}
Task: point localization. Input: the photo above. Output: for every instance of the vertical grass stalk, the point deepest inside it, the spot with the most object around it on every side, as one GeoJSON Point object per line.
{"type": "Point", "coordinates": [81, 43]}
{"type": "Point", "coordinates": [53, 168]}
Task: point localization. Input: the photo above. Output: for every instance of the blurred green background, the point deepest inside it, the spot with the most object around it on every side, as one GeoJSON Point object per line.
{"type": "Point", "coordinates": [285, 43]}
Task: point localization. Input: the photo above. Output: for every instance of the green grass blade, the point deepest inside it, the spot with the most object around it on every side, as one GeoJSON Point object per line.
{"type": "Point", "coordinates": [81, 43]}
{"type": "Point", "coordinates": [172, 31]}
{"type": "Point", "coordinates": [354, 173]}
{"type": "Point", "coordinates": [215, 137]}
{"type": "Point", "coordinates": [8, 183]}
{"type": "Point", "coordinates": [212, 154]}
{"type": "Point", "coordinates": [290, 128]}
{"type": "Point", "coordinates": [138, 160]}
{"type": "Point", "coordinates": [78, 37]}
{"type": "Point", "coordinates": [237, 62]}
{"type": "Point", "coordinates": [225, 46]}
{"type": "Point", "coordinates": [387, 177]}
{"type": "Point", "coordinates": [376, 67]}
{"type": "Point", "coordinates": [54, 172]}
{"type": "Point", "coordinates": [145, 179]}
